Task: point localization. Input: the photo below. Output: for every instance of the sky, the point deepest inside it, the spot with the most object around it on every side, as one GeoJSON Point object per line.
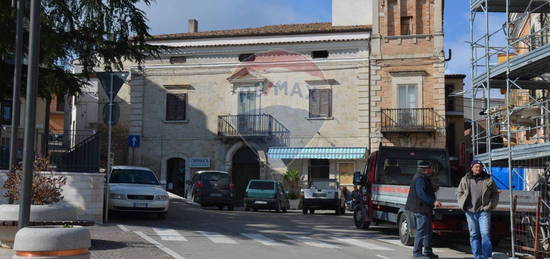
{"type": "Point", "coordinates": [170, 16]}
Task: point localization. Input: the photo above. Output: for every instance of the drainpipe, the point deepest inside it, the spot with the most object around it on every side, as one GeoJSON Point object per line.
{"type": "Point", "coordinates": [370, 106]}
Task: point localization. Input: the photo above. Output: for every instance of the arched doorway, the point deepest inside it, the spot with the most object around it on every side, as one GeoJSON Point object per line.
{"type": "Point", "coordinates": [175, 176]}
{"type": "Point", "coordinates": [245, 166]}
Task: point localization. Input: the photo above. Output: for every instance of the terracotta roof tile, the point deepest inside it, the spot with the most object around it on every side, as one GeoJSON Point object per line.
{"type": "Point", "coordinates": [284, 29]}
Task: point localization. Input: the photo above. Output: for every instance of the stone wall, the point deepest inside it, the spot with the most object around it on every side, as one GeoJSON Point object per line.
{"type": "Point", "coordinates": [83, 191]}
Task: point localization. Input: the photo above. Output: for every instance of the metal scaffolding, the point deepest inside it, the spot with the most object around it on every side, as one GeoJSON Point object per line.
{"type": "Point", "coordinates": [510, 51]}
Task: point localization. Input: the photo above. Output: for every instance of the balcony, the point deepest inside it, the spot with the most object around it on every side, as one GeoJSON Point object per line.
{"type": "Point", "coordinates": [408, 120]}
{"type": "Point", "coordinates": [250, 125]}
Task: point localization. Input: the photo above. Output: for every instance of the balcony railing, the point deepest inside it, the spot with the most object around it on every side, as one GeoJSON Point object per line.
{"type": "Point", "coordinates": [245, 125]}
{"type": "Point", "coordinates": [408, 120]}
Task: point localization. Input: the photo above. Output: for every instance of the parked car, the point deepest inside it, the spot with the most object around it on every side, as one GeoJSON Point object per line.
{"type": "Point", "coordinates": [212, 188]}
{"type": "Point", "coordinates": [265, 194]}
{"type": "Point", "coordinates": [323, 194]}
{"type": "Point", "coordinates": [133, 188]}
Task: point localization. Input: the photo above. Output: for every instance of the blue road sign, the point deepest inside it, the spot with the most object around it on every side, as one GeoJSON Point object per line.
{"type": "Point", "coordinates": [134, 140]}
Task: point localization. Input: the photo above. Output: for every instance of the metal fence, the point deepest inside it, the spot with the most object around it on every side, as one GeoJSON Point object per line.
{"type": "Point", "coordinates": [408, 119]}
{"type": "Point", "coordinates": [74, 151]}
{"type": "Point", "coordinates": [246, 125]}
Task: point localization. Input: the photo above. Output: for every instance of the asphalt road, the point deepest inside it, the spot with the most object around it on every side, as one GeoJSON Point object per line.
{"type": "Point", "coordinates": [193, 232]}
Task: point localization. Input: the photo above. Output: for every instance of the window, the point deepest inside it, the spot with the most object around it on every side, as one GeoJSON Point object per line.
{"type": "Point", "coordinates": [406, 25]}
{"type": "Point", "coordinates": [319, 54]}
{"type": "Point", "coordinates": [178, 60]}
{"type": "Point", "coordinates": [247, 57]}
{"type": "Point", "coordinates": [319, 169]}
{"type": "Point", "coordinates": [450, 100]}
{"type": "Point", "coordinates": [320, 103]}
{"type": "Point", "coordinates": [5, 112]}
{"type": "Point", "coordinates": [60, 104]}
{"type": "Point", "coordinates": [451, 139]}
{"type": "Point", "coordinates": [176, 106]}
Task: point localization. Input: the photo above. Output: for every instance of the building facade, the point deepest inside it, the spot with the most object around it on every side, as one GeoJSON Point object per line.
{"type": "Point", "coordinates": [312, 97]}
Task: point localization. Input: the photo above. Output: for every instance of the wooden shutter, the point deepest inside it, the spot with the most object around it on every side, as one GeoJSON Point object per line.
{"type": "Point", "coordinates": [176, 106]}
{"type": "Point", "coordinates": [325, 103]}
{"type": "Point", "coordinates": [314, 103]}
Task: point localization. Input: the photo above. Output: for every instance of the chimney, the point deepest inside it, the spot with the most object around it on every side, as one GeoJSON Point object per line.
{"type": "Point", "coordinates": [193, 25]}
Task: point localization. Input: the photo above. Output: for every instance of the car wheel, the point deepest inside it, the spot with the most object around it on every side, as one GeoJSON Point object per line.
{"type": "Point", "coordinates": [230, 207]}
{"type": "Point", "coordinates": [359, 219]}
{"type": "Point", "coordinates": [404, 234]}
{"type": "Point", "coordinates": [312, 211]}
{"type": "Point", "coordinates": [304, 211]}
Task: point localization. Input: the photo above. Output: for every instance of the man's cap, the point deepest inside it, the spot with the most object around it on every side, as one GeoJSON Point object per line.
{"type": "Point", "coordinates": [475, 162]}
{"type": "Point", "coordinates": [424, 164]}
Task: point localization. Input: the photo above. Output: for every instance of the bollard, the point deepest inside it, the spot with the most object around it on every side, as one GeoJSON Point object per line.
{"type": "Point", "coordinates": [49, 242]}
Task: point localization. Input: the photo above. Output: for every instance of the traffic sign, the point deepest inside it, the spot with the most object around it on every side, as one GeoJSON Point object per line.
{"type": "Point", "coordinates": [112, 79]}
{"type": "Point", "coordinates": [134, 140]}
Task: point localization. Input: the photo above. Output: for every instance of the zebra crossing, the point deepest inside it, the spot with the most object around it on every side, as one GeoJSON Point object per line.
{"type": "Point", "coordinates": [172, 235]}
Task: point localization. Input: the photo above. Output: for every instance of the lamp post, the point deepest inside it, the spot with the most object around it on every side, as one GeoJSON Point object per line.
{"type": "Point", "coordinates": [30, 115]}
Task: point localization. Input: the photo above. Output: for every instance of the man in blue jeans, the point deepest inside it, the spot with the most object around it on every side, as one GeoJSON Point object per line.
{"type": "Point", "coordinates": [477, 196]}
{"type": "Point", "coordinates": [421, 201]}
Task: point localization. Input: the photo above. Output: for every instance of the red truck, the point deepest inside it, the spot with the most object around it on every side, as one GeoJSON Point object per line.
{"type": "Point", "coordinates": [384, 186]}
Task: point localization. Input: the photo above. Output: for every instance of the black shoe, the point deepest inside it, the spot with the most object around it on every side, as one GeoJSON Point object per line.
{"type": "Point", "coordinates": [431, 256]}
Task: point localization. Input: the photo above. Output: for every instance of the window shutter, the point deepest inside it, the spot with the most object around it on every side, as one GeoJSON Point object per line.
{"type": "Point", "coordinates": [325, 103]}
{"type": "Point", "coordinates": [314, 103]}
{"type": "Point", "coordinates": [176, 106]}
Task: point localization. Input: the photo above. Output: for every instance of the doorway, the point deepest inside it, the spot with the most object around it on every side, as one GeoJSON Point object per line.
{"type": "Point", "coordinates": [245, 166]}
{"type": "Point", "coordinates": [175, 176]}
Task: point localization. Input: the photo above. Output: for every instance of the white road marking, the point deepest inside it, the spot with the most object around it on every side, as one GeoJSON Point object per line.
{"type": "Point", "coordinates": [159, 245]}
{"type": "Point", "coordinates": [262, 239]}
{"type": "Point", "coordinates": [125, 229]}
{"type": "Point", "coordinates": [169, 234]}
{"type": "Point", "coordinates": [217, 237]}
{"type": "Point", "coordinates": [396, 242]}
{"type": "Point", "coordinates": [383, 257]}
{"type": "Point", "coordinates": [363, 244]}
{"type": "Point", "coordinates": [311, 242]}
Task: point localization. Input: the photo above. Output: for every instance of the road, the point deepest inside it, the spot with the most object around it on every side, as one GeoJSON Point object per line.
{"type": "Point", "coordinates": [193, 232]}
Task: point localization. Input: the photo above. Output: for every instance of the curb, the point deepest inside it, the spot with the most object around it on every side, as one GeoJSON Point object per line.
{"type": "Point", "coordinates": [177, 197]}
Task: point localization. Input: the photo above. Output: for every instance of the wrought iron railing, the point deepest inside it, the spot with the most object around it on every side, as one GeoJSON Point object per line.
{"type": "Point", "coordinates": [246, 125]}
{"type": "Point", "coordinates": [408, 120]}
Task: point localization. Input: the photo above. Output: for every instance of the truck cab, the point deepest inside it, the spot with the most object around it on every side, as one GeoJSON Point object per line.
{"type": "Point", "coordinates": [384, 185]}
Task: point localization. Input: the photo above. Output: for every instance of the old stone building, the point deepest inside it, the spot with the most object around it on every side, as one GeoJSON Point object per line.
{"type": "Point", "coordinates": [313, 97]}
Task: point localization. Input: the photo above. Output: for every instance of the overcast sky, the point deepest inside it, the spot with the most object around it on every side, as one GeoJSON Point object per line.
{"type": "Point", "coordinates": [170, 16]}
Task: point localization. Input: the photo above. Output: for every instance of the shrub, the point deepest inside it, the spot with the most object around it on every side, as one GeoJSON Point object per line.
{"type": "Point", "coordinates": [46, 188]}
{"type": "Point", "coordinates": [293, 180]}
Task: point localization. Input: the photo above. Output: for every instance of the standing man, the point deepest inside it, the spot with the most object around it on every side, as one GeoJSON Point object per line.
{"type": "Point", "coordinates": [421, 201]}
{"type": "Point", "coordinates": [477, 196]}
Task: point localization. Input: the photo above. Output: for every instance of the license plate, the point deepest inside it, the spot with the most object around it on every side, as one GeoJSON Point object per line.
{"type": "Point", "coordinates": [215, 195]}
{"type": "Point", "coordinates": [140, 204]}
{"type": "Point", "coordinates": [260, 202]}
{"type": "Point", "coordinates": [319, 195]}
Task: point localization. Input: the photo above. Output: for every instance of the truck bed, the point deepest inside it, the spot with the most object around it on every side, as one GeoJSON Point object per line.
{"type": "Point", "coordinates": [396, 195]}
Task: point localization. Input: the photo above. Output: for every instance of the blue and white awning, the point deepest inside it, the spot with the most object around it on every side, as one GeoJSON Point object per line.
{"type": "Point", "coordinates": [317, 153]}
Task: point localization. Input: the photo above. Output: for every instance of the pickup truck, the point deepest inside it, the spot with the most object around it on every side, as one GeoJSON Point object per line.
{"type": "Point", "coordinates": [323, 194]}
{"type": "Point", "coordinates": [384, 186]}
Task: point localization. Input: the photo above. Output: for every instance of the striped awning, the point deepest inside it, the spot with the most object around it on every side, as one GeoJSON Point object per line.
{"type": "Point", "coordinates": [317, 152]}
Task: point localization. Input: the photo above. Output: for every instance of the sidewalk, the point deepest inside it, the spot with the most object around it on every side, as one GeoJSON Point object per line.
{"type": "Point", "coordinates": [110, 241]}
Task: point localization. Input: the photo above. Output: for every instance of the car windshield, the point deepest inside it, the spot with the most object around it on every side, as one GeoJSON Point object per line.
{"type": "Point", "coordinates": [133, 176]}
{"type": "Point", "coordinates": [400, 171]}
{"type": "Point", "coordinates": [261, 185]}
{"type": "Point", "coordinates": [220, 178]}
{"type": "Point", "coordinates": [323, 184]}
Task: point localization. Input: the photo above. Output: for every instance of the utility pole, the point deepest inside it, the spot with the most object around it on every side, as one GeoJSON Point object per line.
{"type": "Point", "coordinates": [16, 106]}
{"type": "Point", "coordinates": [30, 115]}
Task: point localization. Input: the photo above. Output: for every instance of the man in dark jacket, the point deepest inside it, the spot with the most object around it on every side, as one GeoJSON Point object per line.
{"type": "Point", "coordinates": [421, 201]}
